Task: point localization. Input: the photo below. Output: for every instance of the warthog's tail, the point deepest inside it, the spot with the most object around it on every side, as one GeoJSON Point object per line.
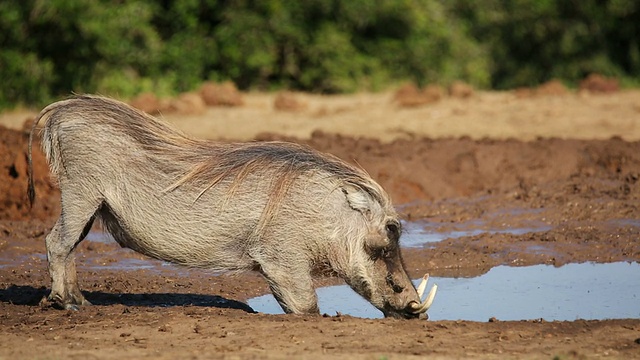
{"type": "Point", "coordinates": [31, 190]}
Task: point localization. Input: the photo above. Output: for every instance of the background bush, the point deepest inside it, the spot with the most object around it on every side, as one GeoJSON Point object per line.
{"type": "Point", "coordinates": [49, 48]}
{"type": "Point", "coordinates": [532, 41]}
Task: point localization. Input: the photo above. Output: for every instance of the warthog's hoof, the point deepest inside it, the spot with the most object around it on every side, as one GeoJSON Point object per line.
{"type": "Point", "coordinates": [76, 307]}
{"type": "Point", "coordinates": [56, 301]}
{"type": "Point", "coordinates": [52, 302]}
{"type": "Point", "coordinates": [73, 307]}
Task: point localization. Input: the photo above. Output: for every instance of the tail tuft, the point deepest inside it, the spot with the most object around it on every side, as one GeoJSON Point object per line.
{"type": "Point", "coordinates": [31, 189]}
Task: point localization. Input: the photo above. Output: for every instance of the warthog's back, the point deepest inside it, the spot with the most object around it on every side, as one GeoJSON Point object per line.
{"type": "Point", "coordinates": [197, 202]}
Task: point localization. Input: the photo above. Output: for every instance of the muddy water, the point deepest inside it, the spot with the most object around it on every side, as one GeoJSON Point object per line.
{"type": "Point", "coordinates": [420, 233]}
{"type": "Point", "coordinates": [573, 291]}
{"type": "Point", "coordinates": [125, 263]}
{"type": "Point", "coordinates": [416, 234]}
{"type": "Point", "coordinates": [570, 292]}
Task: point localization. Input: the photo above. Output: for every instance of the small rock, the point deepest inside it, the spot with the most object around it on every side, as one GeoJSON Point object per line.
{"type": "Point", "coordinates": [225, 94]}
{"type": "Point", "coordinates": [596, 83]}
{"type": "Point", "coordinates": [287, 101]}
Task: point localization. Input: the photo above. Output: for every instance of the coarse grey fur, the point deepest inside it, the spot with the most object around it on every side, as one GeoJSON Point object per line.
{"type": "Point", "coordinates": [282, 209]}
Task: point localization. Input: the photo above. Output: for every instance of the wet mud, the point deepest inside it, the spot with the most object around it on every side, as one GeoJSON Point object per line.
{"type": "Point", "coordinates": [489, 203]}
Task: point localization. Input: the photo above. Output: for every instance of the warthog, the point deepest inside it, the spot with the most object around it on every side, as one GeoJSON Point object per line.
{"type": "Point", "coordinates": [282, 209]}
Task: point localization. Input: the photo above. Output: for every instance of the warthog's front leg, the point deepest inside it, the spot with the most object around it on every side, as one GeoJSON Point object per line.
{"type": "Point", "coordinates": [292, 287]}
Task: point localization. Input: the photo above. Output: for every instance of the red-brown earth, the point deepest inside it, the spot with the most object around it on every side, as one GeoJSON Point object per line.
{"type": "Point", "coordinates": [581, 194]}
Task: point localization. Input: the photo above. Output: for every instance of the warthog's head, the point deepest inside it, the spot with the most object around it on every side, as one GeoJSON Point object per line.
{"type": "Point", "coordinates": [376, 270]}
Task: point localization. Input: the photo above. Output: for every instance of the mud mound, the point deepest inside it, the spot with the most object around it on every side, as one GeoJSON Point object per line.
{"type": "Point", "coordinates": [425, 169]}
{"type": "Point", "coordinates": [410, 95]}
{"type": "Point", "coordinates": [225, 94]}
{"type": "Point", "coordinates": [596, 83]}
{"type": "Point", "coordinates": [288, 101]}
{"type": "Point", "coordinates": [188, 104]}
{"type": "Point", "coordinates": [410, 169]}
{"type": "Point", "coordinates": [552, 87]}
{"type": "Point", "coordinates": [149, 103]}
{"type": "Point", "coordinates": [13, 179]}
{"type": "Point", "coordinates": [460, 89]}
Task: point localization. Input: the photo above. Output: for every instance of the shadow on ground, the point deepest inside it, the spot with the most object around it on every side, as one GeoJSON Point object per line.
{"type": "Point", "coordinates": [29, 295]}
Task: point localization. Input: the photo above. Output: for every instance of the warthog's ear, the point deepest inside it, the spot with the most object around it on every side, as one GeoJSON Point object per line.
{"type": "Point", "coordinates": [357, 199]}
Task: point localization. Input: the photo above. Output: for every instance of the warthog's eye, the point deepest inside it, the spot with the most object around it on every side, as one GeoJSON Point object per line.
{"type": "Point", "coordinates": [393, 230]}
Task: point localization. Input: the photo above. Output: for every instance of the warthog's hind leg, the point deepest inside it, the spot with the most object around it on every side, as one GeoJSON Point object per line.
{"type": "Point", "coordinates": [56, 266]}
{"type": "Point", "coordinates": [67, 233]}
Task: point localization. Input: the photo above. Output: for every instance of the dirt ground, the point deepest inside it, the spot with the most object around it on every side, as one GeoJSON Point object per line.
{"type": "Point", "coordinates": [569, 164]}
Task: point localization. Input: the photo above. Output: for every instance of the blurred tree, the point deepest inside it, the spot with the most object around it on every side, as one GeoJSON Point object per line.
{"type": "Point", "coordinates": [72, 45]}
{"type": "Point", "coordinates": [26, 77]}
{"type": "Point", "coordinates": [86, 40]}
{"type": "Point", "coordinates": [189, 54]}
{"type": "Point", "coordinates": [50, 48]}
{"type": "Point", "coordinates": [336, 46]}
{"type": "Point", "coordinates": [532, 41]}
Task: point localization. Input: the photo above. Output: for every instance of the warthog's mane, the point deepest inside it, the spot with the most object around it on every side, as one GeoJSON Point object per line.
{"type": "Point", "coordinates": [208, 163]}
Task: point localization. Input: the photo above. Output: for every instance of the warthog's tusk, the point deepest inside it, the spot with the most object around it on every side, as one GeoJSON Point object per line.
{"type": "Point", "coordinates": [420, 308]}
{"type": "Point", "coordinates": [423, 285]}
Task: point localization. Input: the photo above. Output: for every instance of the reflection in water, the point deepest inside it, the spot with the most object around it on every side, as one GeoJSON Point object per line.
{"type": "Point", "coordinates": [570, 292]}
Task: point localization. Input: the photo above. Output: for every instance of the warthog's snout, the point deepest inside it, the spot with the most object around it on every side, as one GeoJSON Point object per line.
{"type": "Point", "coordinates": [414, 308]}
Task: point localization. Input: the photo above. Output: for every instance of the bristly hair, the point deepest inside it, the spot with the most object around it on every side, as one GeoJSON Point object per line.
{"type": "Point", "coordinates": [206, 163]}
{"type": "Point", "coordinates": [287, 161]}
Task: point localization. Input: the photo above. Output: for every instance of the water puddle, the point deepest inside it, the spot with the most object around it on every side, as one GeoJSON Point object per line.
{"type": "Point", "coordinates": [118, 262]}
{"type": "Point", "coordinates": [419, 234]}
{"type": "Point", "coordinates": [128, 265]}
{"type": "Point", "coordinates": [100, 237]}
{"type": "Point", "coordinates": [625, 222]}
{"type": "Point", "coordinates": [416, 234]}
{"type": "Point", "coordinates": [574, 291]}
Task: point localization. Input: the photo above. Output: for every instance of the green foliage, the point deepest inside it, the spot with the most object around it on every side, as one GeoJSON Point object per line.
{"type": "Point", "coordinates": [532, 41]}
{"type": "Point", "coordinates": [338, 46]}
{"type": "Point", "coordinates": [53, 47]}
{"type": "Point", "coordinates": [25, 78]}
{"type": "Point", "coordinates": [50, 48]}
